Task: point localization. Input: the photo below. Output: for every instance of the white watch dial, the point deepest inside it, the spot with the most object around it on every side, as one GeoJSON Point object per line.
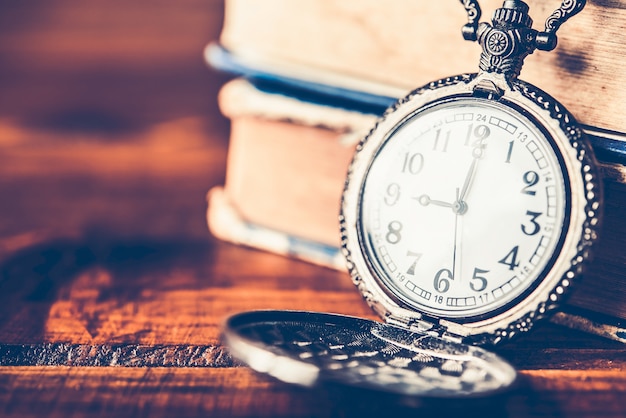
{"type": "Point", "coordinates": [463, 208]}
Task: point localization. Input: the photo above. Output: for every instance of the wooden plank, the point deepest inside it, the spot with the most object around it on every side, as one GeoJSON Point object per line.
{"type": "Point", "coordinates": [91, 391]}
{"type": "Point", "coordinates": [71, 34]}
{"type": "Point", "coordinates": [150, 182]}
{"type": "Point", "coordinates": [150, 292]}
{"type": "Point", "coordinates": [160, 303]}
{"type": "Point", "coordinates": [97, 65]}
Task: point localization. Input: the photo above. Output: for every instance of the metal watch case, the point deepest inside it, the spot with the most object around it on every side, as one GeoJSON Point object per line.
{"type": "Point", "coordinates": [578, 167]}
{"type": "Point", "coordinates": [505, 42]}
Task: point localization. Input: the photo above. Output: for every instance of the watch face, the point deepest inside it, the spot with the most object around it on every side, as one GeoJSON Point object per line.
{"type": "Point", "coordinates": [463, 208]}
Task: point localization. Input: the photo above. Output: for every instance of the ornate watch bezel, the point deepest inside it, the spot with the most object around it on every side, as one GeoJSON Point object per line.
{"type": "Point", "coordinates": [578, 166]}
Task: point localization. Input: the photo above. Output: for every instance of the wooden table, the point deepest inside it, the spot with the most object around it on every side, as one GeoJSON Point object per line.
{"type": "Point", "coordinates": [111, 289]}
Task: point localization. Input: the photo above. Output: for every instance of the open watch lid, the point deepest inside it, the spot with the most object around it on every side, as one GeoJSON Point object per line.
{"type": "Point", "coordinates": [309, 348]}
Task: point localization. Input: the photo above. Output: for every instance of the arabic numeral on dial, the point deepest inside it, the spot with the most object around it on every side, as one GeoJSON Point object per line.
{"type": "Point", "coordinates": [442, 280]}
{"type": "Point", "coordinates": [511, 258]}
{"type": "Point", "coordinates": [416, 256]}
{"type": "Point", "coordinates": [531, 178]}
{"type": "Point", "coordinates": [479, 283]}
{"type": "Point", "coordinates": [509, 152]}
{"type": "Point", "coordinates": [393, 235]}
{"type": "Point", "coordinates": [392, 194]}
{"type": "Point", "coordinates": [444, 143]}
{"type": "Point", "coordinates": [438, 299]}
{"type": "Point", "coordinates": [413, 163]}
{"type": "Point", "coordinates": [480, 133]}
{"type": "Point", "coordinates": [534, 225]}
{"type": "Point", "coordinates": [484, 298]}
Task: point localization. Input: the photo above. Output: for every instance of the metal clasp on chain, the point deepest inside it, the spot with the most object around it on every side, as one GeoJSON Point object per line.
{"type": "Point", "coordinates": [510, 38]}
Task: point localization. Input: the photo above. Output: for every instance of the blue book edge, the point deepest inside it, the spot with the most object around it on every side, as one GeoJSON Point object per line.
{"type": "Point", "coordinates": [609, 146]}
{"type": "Point", "coordinates": [226, 224]}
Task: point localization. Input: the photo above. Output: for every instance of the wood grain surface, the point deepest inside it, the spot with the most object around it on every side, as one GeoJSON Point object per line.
{"type": "Point", "coordinates": [112, 292]}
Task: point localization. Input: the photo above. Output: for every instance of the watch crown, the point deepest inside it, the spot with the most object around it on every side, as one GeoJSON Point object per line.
{"type": "Point", "coordinates": [513, 13]}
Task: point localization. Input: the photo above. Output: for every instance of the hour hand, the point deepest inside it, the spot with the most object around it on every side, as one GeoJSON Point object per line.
{"type": "Point", "coordinates": [468, 178]}
{"type": "Point", "coordinates": [425, 200]}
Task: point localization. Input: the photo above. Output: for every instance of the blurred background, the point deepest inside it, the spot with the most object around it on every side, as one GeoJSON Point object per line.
{"type": "Point", "coordinates": [108, 117]}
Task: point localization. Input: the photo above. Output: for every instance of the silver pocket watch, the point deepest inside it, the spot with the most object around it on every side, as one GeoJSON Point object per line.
{"type": "Point", "coordinates": [468, 212]}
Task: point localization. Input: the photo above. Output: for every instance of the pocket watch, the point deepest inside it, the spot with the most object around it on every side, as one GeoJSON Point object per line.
{"type": "Point", "coordinates": [468, 212]}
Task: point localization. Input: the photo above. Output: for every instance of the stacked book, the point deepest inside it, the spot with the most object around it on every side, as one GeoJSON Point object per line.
{"type": "Point", "coordinates": [315, 75]}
